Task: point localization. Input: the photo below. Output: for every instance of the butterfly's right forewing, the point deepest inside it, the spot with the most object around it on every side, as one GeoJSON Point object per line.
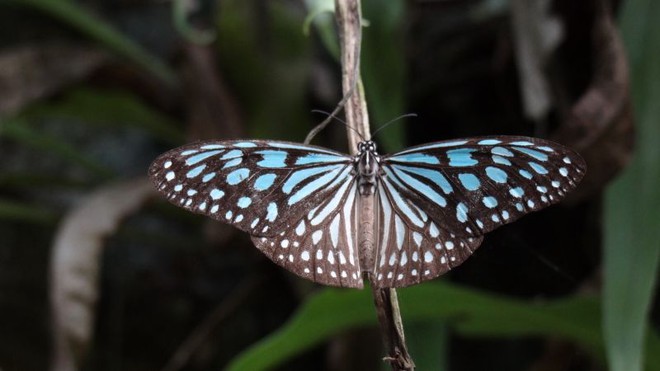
{"type": "Point", "coordinates": [261, 187]}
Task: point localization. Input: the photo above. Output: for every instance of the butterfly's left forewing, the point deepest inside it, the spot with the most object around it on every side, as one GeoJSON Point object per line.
{"type": "Point", "coordinates": [472, 186]}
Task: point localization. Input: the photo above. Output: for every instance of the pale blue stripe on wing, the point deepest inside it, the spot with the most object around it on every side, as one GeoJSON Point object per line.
{"type": "Point", "coordinates": [415, 184]}
{"type": "Point", "coordinates": [192, 160]}
{"type": "Point", "coordinates": [333, 204]}
{"type": "Point", "coordinates": [313, 186]}
{"type": "Point", "coordinates": [433, 175]}
{"type": "Point", "coordinates": [314, 158]}
{"type": "Point", "coordinates": [196, 171]}
{"type": "Point", "coordinates": [536, 154]}
{"type": "Point", "coordinates": [272, 159]}
{"type": "Point", "coordinates": [234, 153]}
{"type": "Point", "coordinates": [461, 157]}
{"type": "Point", "coordinates": [300, 175]}
{"type": "Point", "coordinates": [538, 168]}
{"type": "Point", "coordinates": [416, 157]}
{"type": "Point", "coordinates": [401, 204]}
{"type": "Point", "coordinates": [244, 145]}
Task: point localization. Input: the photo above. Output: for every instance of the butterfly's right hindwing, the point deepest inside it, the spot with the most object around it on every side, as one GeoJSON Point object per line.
{"type": "Point", "coordinates": [322, 246]}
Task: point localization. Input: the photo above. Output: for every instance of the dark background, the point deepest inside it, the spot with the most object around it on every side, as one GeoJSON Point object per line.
{"type": "Point", "coordinates": [92, 91]}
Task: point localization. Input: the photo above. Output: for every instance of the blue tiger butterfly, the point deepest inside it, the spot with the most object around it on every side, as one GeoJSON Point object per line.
{"type": "Point", "coordinates": [426, 207]}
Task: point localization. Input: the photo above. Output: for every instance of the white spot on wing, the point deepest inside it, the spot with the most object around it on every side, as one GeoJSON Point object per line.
{"type": "Point", "coordinates": [334, 231]}
{"type": "Point", "coordinates": [316, 236]}
{"type": "Point", "coordinates": [300, 229]}
{"type": "Point", "coordinates": [428, 257]}
{"type": "Point", "coordinates": [418, 239]}
{"type": "Point", "coordinates": [400, 231]}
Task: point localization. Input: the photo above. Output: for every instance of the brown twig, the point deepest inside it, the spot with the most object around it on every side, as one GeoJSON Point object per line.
{"type": "Point", "coordinates": [348, 16]}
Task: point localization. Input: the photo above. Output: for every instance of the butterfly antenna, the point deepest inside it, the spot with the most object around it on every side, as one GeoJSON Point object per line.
{"type": "Point", "coordinates": [393, 121]}
{"type": "Point", "coordinates": [325, 122]}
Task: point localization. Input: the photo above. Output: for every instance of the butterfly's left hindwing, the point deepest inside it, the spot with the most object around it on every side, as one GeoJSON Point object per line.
{"type": "Point", "coordinates": [260, 187]}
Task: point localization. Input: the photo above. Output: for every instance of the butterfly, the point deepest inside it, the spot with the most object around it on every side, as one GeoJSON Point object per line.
{"type": "Point", "coordinates": [423, 210]}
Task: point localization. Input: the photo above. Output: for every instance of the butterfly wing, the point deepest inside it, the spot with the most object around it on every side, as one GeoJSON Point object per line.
{"type": "Point", "coordinates": [472, 186]}
{"type": "Point", "coordinates": [322, 245]}
{"type": "Point", "coordinates": [437, 200]}
{"type": "Point", "coordinates": [412, 248]}
{"type": "Point", "coordinates": [297, 201]}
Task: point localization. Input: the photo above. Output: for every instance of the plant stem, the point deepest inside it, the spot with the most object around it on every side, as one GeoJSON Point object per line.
{"type": "Point", "coordinates": [348, 16]}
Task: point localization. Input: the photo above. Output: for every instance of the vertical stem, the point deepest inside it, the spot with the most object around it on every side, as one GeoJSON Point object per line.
{"type": "Point", "coordinates": [349, 16]}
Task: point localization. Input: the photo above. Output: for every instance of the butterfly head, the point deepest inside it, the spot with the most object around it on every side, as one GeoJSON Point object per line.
{"type": "Point", "coordinates": [367, 146]}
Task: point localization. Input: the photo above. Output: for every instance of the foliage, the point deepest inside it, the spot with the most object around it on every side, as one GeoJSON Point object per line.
{"type": "Point", "coordinates": [50, 166]}
{"type": "Point", "coordinates": [632, 220]}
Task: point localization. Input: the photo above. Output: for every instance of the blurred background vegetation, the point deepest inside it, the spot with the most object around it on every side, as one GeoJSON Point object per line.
{"type": "Point", "coordinates": [97, 273]}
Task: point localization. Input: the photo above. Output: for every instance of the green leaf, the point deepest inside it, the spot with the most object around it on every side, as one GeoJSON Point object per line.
{"type": "Point", "coordinates": [17, 211]}
{"type": "Point", "coordinates": [383, 69]}
{"type": "Point", "coordinates": [180, 14]}
{"type": "Point", "coordinates": [632, 206]}
{"type": "Point", "coordinates": [321, 14]}
{"type": "Point", "coordinates": [19, 130]}
{"type": "Point", "coordinates": [428, 342]}
{"type": "Point", "coordinates": [267, 67]}
{"type": "Point", "coordinates": [469, 312]}
{"type": "Point", "coordinates": [73, 15]}
{"type": "Point", "coordinates": [111, 108]}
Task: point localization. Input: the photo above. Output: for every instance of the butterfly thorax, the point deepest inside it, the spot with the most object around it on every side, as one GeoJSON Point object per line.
{"type": "Point", "coordinates": [367, 163]}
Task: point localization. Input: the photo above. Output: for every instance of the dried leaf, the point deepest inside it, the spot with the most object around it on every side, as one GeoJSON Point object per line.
{"type": "Point", "coordinates": [536, 34]}
{"type": "Point", "coordinates": [75, 265]}
{"type": "Point", "coordinates": [212, 109]}
{"type": "Point", "coordinates": [600, 123]}
{"type": "Point", "coordinates": [31, 72]}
